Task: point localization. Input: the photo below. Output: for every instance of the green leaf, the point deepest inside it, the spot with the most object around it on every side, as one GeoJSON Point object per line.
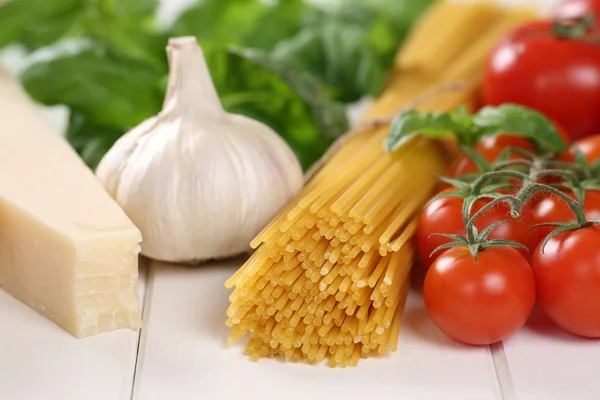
{"type": "Point", "coordinates": [517, 120]}
{"type": "Point", "coordinates": [503, 243]}
{"type": "Point", "coordinates": [36, 23]}
{"type": "Point", "coordinates": [114, 90]}
{"type": "Point", "coordinates": [128, 27]}
{"type": "Point", "coordinates": [488, 230]}
{"type": "Point", "coordinates": [105, 60]}
{"type": "Point", "coordinates": [89, 140]}
{"type": "Point", "coordinates": [412, 122]}
{"type": "Point", "coordinates": [338, 55]}
{"type": "Point", "coordinates": [480, 162]}
{"type": "Point", "coordinates": [223, 22]}
{"type": "Point", "coordinates": [276, 23]}
{"type": "Point", "coordinates": [343, 47]}
{"type": "Point", "coordinates": [292, 102]}
{"type": "Point", "coordinates": [118, 92]}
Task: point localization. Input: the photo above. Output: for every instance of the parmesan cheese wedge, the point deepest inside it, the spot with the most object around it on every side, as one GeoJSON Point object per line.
{"type": "Point", "coordinates": [66, 248]}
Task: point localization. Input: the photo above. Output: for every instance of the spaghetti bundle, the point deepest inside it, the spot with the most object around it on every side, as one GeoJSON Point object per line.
{"type": "Point", "coordinates": [329, 278]}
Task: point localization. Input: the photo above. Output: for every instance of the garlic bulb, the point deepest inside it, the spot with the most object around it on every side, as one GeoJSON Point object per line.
{"type": "Point", "coordinates": [198, 182]}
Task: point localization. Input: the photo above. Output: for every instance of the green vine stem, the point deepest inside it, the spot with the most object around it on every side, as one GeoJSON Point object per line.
{"type": "Point", "coordinates": [477, 241]}
{"type": "Point", "coordinates": [509, 199]}
{"type": "Point", "coordinates": [583, 175]}
{"type": "Point", "coordinates": [529, 190]}
{"type": "Point", "coordinates": [487, 184]}
{"type": "Point", "coordinates": [576, 28]}
{"type": "Point", "coordinates": [537, 169]}
{"type": "Point", "coordinates": [513, 163]}
{"type": "Point", "coordinates": [469, 192]}
{"type": "Point", "coordinates": [488, 177]}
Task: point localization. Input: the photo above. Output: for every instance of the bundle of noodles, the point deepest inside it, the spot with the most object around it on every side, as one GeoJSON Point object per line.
{"type": "Point", "coordinates": [330, 275]}
{"type": "Point", "coordinates": [329, 278]}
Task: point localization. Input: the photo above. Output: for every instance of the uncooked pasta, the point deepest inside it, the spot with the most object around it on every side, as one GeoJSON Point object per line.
{"type": "Point", "coordinates": [329, 278]}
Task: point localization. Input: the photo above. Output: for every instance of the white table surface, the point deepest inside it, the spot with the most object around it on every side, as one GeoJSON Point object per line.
{"type": "Point", "coordinates": [180, 354]}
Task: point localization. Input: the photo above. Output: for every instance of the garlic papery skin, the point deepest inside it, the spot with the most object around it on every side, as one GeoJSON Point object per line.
{"type": "Point", "coordinates": [198, 182]}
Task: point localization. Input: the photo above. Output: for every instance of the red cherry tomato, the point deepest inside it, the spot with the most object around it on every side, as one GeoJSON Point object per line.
{"type": "Point", "coordinates": [564, 135]}
{"type": "Point", "coordinates": [490, 148]}
{"type": "Point", "coordinates": [576, 8]}
{"type": "Point", "coordinates": [556, 76]}
{"type": "Point", "coordinates": [589, 146]}
{"type": "Point", "coordinates": [552, 208]}
{"type": "Point", "coordinates": [463, 165]}
{"type": "Point", "coordinates": [567, 278]}
{"type": "Point", "coordinates": [480, 302]}
{"type": "Point", "coordinates": [445, 216]}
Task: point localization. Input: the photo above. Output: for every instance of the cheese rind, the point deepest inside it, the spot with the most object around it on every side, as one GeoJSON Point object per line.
{"type": "Point", "coordinates": [66, 248]}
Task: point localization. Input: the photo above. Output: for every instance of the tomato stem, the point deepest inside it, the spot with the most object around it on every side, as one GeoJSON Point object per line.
{"type": "Point", "coordinates": [512, 163]}
{"type": "Point", "coordinates": [477, 241]}
{"type": "Point", "coordinates": [576, 28]}
{"type": "Point", "coordinates": [484, 179]}
{"type": "Point", "coordinates": [529, 190]}
{"type": "Point", "coordinates": [470, 226]}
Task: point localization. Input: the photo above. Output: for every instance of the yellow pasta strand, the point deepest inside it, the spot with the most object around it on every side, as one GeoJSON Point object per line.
{"type": "Point", "coordinates": [330, 275]}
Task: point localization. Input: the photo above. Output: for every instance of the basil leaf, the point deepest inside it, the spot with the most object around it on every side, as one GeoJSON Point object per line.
{"type": "Point", "coordinates": [292, 102]}
{"type": "Point", "coordinates": [105, 60]}
{"type": "Point", "coordinates": [508, 119]}
{"type": "Point", "coordinates": [224, 22]}
{"type": "Point", "coordinates": [36, 23]}
{"type": "Point", "coordinates": [91, 141]}
{"type": "Point", "coordinates": [517, 120]}
{"type": "Point", "coordinates": [127, 26]}
{"type": "Point", "coordinates": [412, 122]}
{"type": "Point", "coordinates": [115, 90]}
{"type": "Point", "coordinates": [338, 54]}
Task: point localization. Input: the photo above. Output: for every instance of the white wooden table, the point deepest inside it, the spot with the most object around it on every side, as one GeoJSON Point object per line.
{"type": "Point", "coordinates": [180, 353]}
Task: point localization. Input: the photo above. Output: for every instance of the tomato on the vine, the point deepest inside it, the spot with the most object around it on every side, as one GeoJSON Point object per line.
{"type": "Point", "coordinates": [589, 147]}
{"type": "Point", "coordinates": [552, 208]}
{"type": "Point", "coordinates": [489, 148]}
{"type": "Point", "coordinates": [479, 302]}
{"type": "Point", "coordinates": [576, 8]}
{"type": "Point", "coordinates": [567, 275]}
{"type": "Point", "coordinates": [445, 216]}
{"type": "Point", "coordinates": [462, 165]}
{"type": "Point", "coordinates": [558, 77]}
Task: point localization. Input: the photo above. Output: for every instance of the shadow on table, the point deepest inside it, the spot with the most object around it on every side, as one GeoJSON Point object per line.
{"type": "Point", "coordinates": [540, 324]}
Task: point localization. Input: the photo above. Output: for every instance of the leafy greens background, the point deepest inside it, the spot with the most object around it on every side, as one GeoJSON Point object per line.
{"type": "Point", "coordinates": [290, 64]}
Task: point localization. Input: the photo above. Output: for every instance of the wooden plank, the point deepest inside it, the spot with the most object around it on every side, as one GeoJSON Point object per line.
{"type": "Point", "coordinates": [183, 354]}
{"type": "Point", "coordinates": [547, 363]}
{"type": "Point", "coordinates": [38, 360]}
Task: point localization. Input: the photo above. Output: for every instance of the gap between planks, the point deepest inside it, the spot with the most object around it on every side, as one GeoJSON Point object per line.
{"type": "Point", "coordinates": [139, 357]}
{"type": "Point", "coordinates": [190, 365]}
{"type": "Point", "coordinates": [507, 390]}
